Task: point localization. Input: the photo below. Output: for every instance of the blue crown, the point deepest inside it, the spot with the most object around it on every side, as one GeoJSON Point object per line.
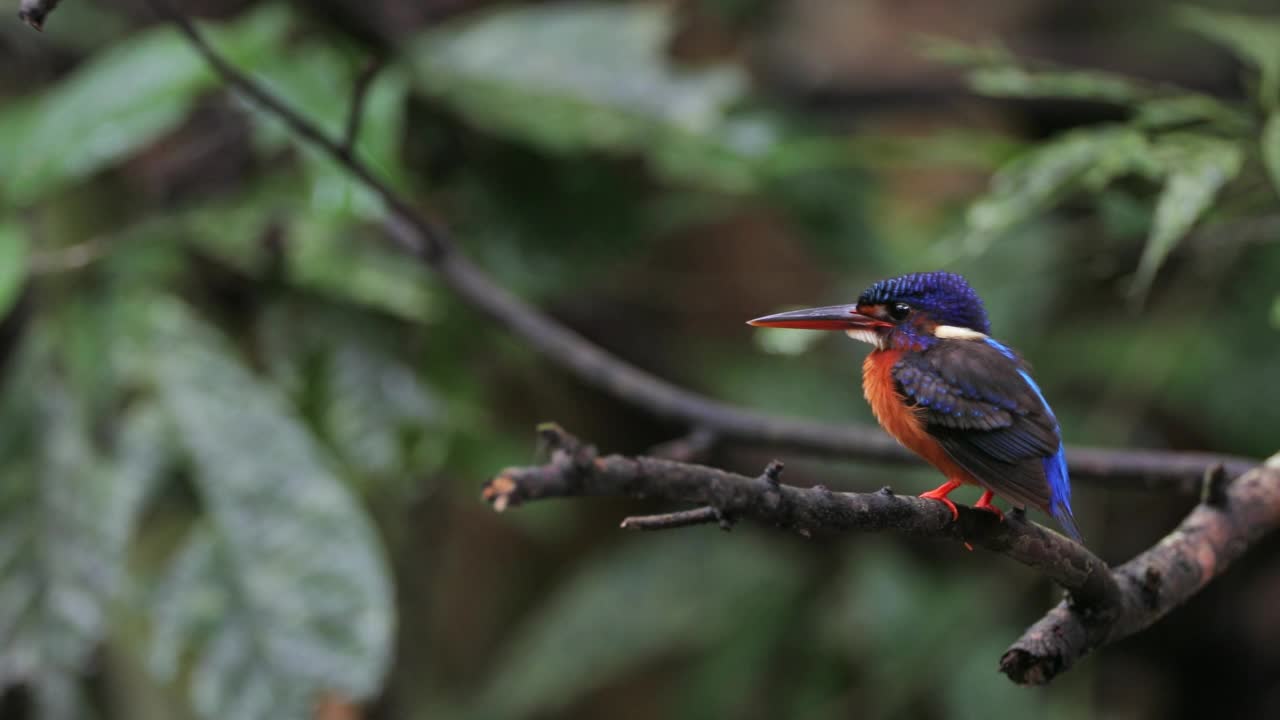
{"type": "Point", "coordinates": [945, 297]}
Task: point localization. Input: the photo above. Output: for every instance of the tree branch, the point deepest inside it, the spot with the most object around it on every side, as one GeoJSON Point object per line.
{"type": "Point", "coordinates": [575, 470]}
{"type": "Point", "coordinates": [683, 518]}
{"type": "Point", "coordinates": [355, 114]}
{"type": "Point", "coordinates": [1102, 605]}
{"type": "Point", "coordinates": [1202, 547]}
{"type": "Point", "coordinates": [413, 233]}
{"type": "Point", "coordinates": [35, 12]}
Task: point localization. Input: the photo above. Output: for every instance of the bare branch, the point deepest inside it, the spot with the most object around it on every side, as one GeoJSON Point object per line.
{"type": "Point", "coordinates": [413, 233]}
{"type": "Point", "coordinates": [1150, 585]}
{"type": "Point", "coordinates": [1102, 605]}
{"type": "Point", "coordinates": [35, 12]}
{"type": "Point", "coordinates": [683, 518]}
{"type": "Point", "coordinates": [575, 470]}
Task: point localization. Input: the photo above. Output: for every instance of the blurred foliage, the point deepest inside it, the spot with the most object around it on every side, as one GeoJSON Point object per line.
{"type": "Point", "coordinates": [287, 548]}
{"type": "Point", "coordinates": [94, 125]}
{"type": "Point", "coordinates": [242, 438]}
{"type": "Point", "coordinates": [521, 73]}
{"type": "Point", "coordinates": [1190, 144]}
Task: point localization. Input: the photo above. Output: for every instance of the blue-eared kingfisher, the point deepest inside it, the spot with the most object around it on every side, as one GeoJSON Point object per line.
{"type": "Point", "coordinates": [944, 388]}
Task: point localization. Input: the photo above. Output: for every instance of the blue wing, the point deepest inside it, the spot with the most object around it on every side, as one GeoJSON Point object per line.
{"type": "Point", "coordinates": [979, 402]}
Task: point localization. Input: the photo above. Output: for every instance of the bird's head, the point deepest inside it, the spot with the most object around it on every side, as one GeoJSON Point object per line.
{"type": "Point", "coordinates": [908, 311]}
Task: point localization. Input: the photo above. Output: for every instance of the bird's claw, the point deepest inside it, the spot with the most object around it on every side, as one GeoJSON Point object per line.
{"type": "Point", "coordinates": [942, 498]}
{"type": "Point", "coordinates": [984, 503]}
{"type": "Point", "coordinates": [941, 492]}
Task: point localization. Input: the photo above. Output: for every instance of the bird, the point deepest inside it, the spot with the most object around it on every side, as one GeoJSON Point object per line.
{"type": "Point", "coordinates": [946, 390]}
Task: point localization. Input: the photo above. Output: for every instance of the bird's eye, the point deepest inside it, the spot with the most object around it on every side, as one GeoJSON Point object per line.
{"type": "Point", "coordinates": [899, 311]}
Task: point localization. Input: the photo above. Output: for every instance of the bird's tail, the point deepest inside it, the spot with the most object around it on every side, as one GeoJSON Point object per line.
{"type": "Point", "coordinates": [1055, 470]}
{"type": "Point", "coordinates": [1062, 513]}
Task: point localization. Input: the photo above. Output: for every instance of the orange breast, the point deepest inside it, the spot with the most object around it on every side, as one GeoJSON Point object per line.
{"type": "Point", "coordinates": [901, 421]}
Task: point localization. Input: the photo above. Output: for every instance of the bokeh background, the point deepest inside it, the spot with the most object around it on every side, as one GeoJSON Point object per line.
{"type": "Point", "coordinates": [241, 440]}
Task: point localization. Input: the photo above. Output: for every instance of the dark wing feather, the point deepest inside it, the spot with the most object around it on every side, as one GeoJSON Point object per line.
{"type": "Point", "coordinates": [985, 414]}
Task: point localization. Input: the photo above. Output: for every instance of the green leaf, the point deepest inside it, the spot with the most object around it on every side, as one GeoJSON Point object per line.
{"type": "Point", "coordinates": [781, 342]}
{"type": "Point", "coordinates": [13, 265]}
{"type": "Point", "coordinates": [887, 606]}
{"type": "Point", "coordinates": [1197, 167]}
{"type": "Point", "coordinates": [197, 603]}
{"type": "Point", "coordinates": [593, 76]}
{"type": "Point", "coordinates": [996, 72]}
{"type": "Point", "coordinates": [65, 520]}
{"type": "Point", "coordinates": [642, 601]}
{"type": "Point", "coordinates": [356, 268]}
{"type": "Point", "coordinates": [1087, 159]}
{"type": "Point", "coordinates": [377, 413]}
{"type": "Point", "coordinates": [323, 252]}
{"type": "Point", "coordinates": [1254, 38]}
{"type": "Point", "coordinates": [115, 104]}
{"type": "Point", "coordinates": [961, 148]}
{"type": "Point", "coordinates": [303, 595]}
{"type": "Point", "coordinates": [1017, 82]}
{"type": "Point", "coordinates": [1271, 148]}
{"type": "Point", "coordinates": [1188, 108]}
{"type": "Point", "coordinates": [943, 49]}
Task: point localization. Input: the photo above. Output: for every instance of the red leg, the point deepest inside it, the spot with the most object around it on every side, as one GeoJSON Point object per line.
{"type": "Point", "coordinates": [941, 492]}
{"type": "Point", "coordinates": [984, 503]}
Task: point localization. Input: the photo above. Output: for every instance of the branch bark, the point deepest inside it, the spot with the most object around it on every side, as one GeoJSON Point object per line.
{"type": "Point", "coordinates": [1228, 521]}
{"type": "Point", "coordinates": [411, 232]}
{"type": "Point", "coordinates": [575, 470]}
{"type": "Point", "coordinates": [1102, 605]}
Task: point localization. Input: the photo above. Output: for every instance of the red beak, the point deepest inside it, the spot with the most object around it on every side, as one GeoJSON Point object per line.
{"type": "Point", "coordinates": [834, 317]}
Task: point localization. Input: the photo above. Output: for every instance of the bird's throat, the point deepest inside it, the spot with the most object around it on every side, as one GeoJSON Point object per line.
{"type": "Point", "coordinates": [869, 336]}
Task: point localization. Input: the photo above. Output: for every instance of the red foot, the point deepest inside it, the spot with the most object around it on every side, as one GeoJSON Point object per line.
{"type": "Point", "coordinates": [984, 503]}
{"type": "Point", "coordinates": [941, 492]}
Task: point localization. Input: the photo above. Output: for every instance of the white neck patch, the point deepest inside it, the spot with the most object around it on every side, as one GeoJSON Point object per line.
{"type": "Point", "coordinates": [867, 336]}
{"type": "Point", "coordinates": [953, 332]}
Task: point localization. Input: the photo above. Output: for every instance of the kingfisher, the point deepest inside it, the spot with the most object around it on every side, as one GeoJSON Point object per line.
{"type": "Point", "coordinates": [946, 390]}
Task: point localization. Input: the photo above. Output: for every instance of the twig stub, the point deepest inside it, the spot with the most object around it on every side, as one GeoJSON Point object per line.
{"type": "Point", "coordinates": [35, 12]}
{"type": "Point", "coordinates": [773, 472]}
{"type": "Point", "coordinates": [683, 518]}
{"type": "Point", "coordinates": [1214, 490]}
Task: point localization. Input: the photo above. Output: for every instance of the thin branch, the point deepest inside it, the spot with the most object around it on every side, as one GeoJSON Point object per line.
{"type": "Point", "coordinates": [1101, 607]}
{"type": "Point", "coordinates": [426, 241]}
{"type": "Point", "coordinates": [359, 93]}
{"type": "Point", "coordinates": [575, 470]}
{"type": "Point", "coordinates": [683, 518]}
{"type": "Point", "coordinates": [1202, 547]}
{"type": "Point", "coordinates": [413, 233]}
{"type": "Point", "coordinates": [35, 12]}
